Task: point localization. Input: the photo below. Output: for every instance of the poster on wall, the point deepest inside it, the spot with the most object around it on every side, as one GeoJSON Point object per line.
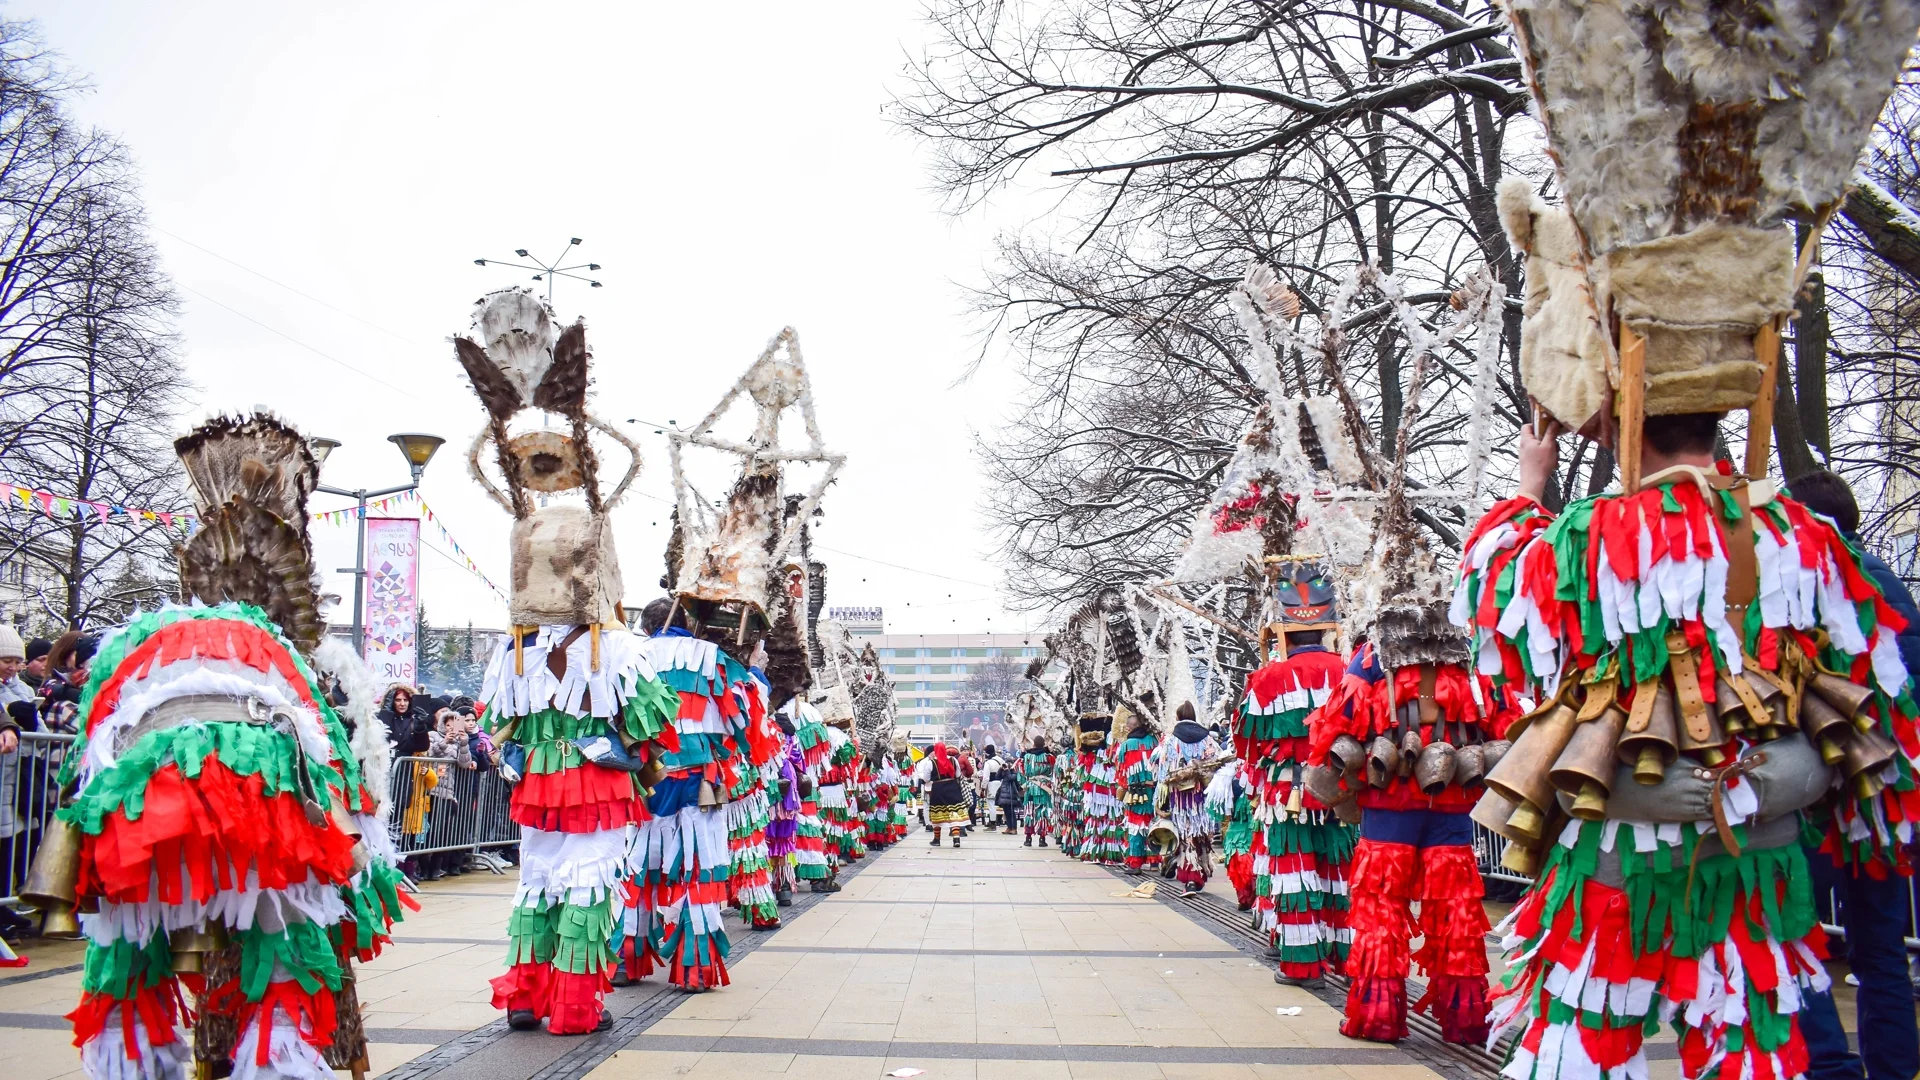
{"type": "Point", "coordinates": [393, 599]}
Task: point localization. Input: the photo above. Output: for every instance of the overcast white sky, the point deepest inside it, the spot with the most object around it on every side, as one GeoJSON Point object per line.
{"type": "Point", "coordinates": [727, 164]}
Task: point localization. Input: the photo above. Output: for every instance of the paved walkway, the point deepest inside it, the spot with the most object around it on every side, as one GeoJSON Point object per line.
{"type": "Point", "coordinates": [992, 961]}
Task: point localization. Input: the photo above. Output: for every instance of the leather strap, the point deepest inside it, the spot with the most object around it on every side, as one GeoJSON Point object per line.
{"type": "Point", "coordinates": [1743, 564]}
{"type": "Point", "coordinates": [1642, 713]}
{"type": "Point", "coordinates": [1598, 699]}
{"type": "Point", "coordinates": [1686, 688]}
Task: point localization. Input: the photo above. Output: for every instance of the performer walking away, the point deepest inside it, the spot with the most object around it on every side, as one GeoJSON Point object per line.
{"type": "Point", "coordinates": [1181, 764]}
{"type": "Point", "coordinates": [945, 775]}
{"type": "Point", "coordinates": [1300, 851]}
{"type": "Point", "coordinates": [1227, 802]}
{"type": "Point", "coordinates": [571, 698]}
{"type": "Point", "coordinates": [782, 773]}
{"type": "Point", "coordinates": [206, 745]}
{"type": "Point", "coordinates": [1134, 774]}
{"type": "Point", "coordinates": [1106, 828]}
{"type": "Point", "coordinates": [1711, 657]}
{"type": "Point", "coordinates": [1037, 781]}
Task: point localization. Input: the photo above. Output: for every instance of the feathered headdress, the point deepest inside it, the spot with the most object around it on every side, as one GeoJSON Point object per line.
{"type": "Point", "coordinates": [250, 478]}
{"type": "Point", "coordinates": [564, 568]}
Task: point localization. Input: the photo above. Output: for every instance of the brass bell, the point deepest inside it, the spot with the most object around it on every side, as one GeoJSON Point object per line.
{"type": "Point", "coordinates": [652, 771]}
{"type": "Point", "coordinates": [1469, 764]}
{"type": "Point", "coordinates": [1527, 822]}
{"type": "Point", "coordinates": [1296, 795]}
{"type": "Point", "coordinates": [1653, 748]}
{"type": "Point", "coordinates": [1412, 745]}
{"type": "Point", "coordinates": [1348, 811]}
{"type": "Point", "coordinates": [1522, 774]}
{"type": "Point", "coordinates": [1347, 755]}
{"type": "Point", "coordinates": [1433, 769]}
{"type": "Point", "coordinates": [1324, 782]}
{"type": "Point", "coordinates": [1868, 754]}
{"type": "Point", "coordinates": [192, 946]}
{"type": "Point", "coordinates": [1521, 858]}
{"type": "Point", "coordinates": [1826, 726]}
{"type": "Point", "coordinates": [1490, 754]}
{"type": "Point", "coordinates": [1850, 698]}
{"type": "Point", "coordinates": [1585, 768]}
{"type": "Point", "coordinates": [1492, 812]}
{"type": "Point", "coordinates": [51, 881]}
{"type": "Point", "coordinates": [1383, 761]}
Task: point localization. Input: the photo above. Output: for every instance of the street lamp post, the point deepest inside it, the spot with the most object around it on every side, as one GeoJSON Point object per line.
{"type": "Point", "coordinates": [418, 449]}
{"type": "Point", "coordinates": [549, 271]}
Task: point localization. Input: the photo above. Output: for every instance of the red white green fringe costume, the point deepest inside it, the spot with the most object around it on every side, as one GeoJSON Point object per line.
{"type": "Point", "coordinates": [749, 873]}
{"type": "Point", "coordinates": [1106, 833]}
{"type": "Point", "coordinates": [1413, 847]}
{"type": "Point", "coordinates": [1136, 777]}
{"type": "Point", "coordinates": [838, 812]}
{"type": "Point", "coordinates": [1227, 801]}
{"type": "Point", "coordinates": [573, 814]}
{"type": "Point", "coordinates": [1595, 963]}
{"type": "Point", "coordinates": [1069, 809]}
{"type": "Point", "coordinates": [1299, 858]}
{"type": "Point", "coordinates": [212, 820]}
{"type": "Point", "coordinates": [679, 859]}
{"type": "Point", "coordinates": [811, 859]}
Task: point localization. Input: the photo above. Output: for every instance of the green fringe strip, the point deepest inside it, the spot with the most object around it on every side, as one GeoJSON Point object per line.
{"type": "Point", "coordinates": [574, 939]}
{"type": "Point", "coordinates": [244, 748]}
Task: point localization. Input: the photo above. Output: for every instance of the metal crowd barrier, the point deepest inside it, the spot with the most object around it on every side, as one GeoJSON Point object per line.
{"type": "Point", "coordinates": [29, 794]}
{"type": "Point", "coordinates": [472, 816]}
{"type": "Point", "coordinates": [468, 813]}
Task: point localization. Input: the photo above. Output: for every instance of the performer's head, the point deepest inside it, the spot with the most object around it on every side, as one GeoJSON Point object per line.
{"type": "Point", "coordinates": [1305, 639]}
{"type": "Point", "coordinates": [1679, 439]}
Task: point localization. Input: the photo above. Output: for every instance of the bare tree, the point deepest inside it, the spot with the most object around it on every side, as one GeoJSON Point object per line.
{"type": "Point", "coordinates": [89, 379]}
{"type": "Point", "coordinates": [1196, 138]}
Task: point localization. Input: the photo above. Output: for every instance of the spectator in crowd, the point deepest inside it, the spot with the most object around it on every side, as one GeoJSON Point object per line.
{"type": "Point", "coordinates": [67, 672]}
{"type": "Point", "coordinates": [407, 720]}
{"type": "Point", "coordinates": [1874, 912]}
{"type": "Point", "coordinates": [17, 700]}
{"type": "Point", "coordinates": [453, 790]}
{"type": "Point", "coordinates": [35, 672]}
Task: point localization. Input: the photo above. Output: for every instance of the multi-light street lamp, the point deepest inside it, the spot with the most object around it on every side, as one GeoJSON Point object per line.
{"type": "Point", "coordinates": [418, 449]}
{"type": "Point", "coordinates": [548, 271]}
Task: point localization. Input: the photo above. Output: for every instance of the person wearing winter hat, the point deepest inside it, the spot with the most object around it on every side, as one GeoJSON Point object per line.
{"type": "Point", "coordinates": [13, 657]}
{"type": "Point", "coordinates": [35, 672]}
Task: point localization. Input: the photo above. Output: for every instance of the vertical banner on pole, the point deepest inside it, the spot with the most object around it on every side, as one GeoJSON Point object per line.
{"type": "Point", "coordinates": [393, 599]}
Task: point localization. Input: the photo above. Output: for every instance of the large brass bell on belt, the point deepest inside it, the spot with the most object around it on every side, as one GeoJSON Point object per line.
{"type": "Point", "coordinates": [1585, 768]}
{"type": "Point", "coordinates": [1523, 773]}
{"type": "Point", "coordinates": [1347, 755]}
{"type": "Point", "coordinates": [193, 947]}
{"type": "Point", "coordinates": [1433, 769]}
{"type": "Point", "coordinates": [1868, 754]}
{"type": "Point", "coordinates": [1161, 837]}
{"type": "Point", "coordinates": [1383, 761]}
{"type": "Point", "coordinates": [1652, 748]}
{"type": "Point", "coordinates": [1827, 727]}
{"type": "Point", "coordinates": [1324, 784]}
{"type": "Point", "coordinates": [1491, 752]}
{"type": "Point", "coordinates": [51, 881]}
{"type": "Point", "coordinates": [1850, 698]}
{"type": "Point", "coordinates": [1469, 764]}
{"type": "Point", "coordinates": [1703, 735]}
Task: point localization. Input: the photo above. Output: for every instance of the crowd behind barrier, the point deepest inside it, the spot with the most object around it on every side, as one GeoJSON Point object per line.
{"type": "Point", "coordinates": [438, 808]}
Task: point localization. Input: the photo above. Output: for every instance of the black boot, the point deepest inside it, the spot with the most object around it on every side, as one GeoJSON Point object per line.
{"type": "Point", "coordinates": [1029, 842]}
{"type": "Point", "coordinates": [784, 897]}
{"type": "Point", "coordinates": [522, 1019]}
{"type": "Point", "coordinates": [956, 841]}
{"type": "Point", "coordinates": [1043, 839]}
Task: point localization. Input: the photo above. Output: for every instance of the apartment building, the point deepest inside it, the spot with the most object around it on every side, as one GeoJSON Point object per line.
{"type": "Point", "coordinates": [931, 672]}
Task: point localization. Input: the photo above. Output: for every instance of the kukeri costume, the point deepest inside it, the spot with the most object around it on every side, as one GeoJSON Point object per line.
{"type": "Point", "coordinates": [1705, 649]}
{"type": "Point", "coordinates": [1300, 850]}
{"type": "Point", "coordinates": [212, 838]}
{"type": "Point", "coordinates": [571, 699]}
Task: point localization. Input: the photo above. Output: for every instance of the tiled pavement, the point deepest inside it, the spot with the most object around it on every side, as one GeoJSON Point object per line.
{"type": "Point", "coordinates": [992, 961]}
